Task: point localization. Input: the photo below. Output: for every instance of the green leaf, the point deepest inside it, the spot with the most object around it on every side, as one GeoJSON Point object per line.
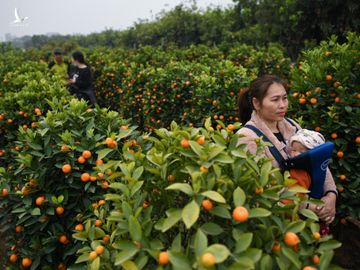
{"type": "Point", "coordinates": [329, 245]}
{"type": "Point", "coordinates": [309, 214]}
{"type": "Point", "coordinates": [281, 263]}
{"type": "Point", "coordinates": [135, 228]}
{"type": "Point", "coordinates": [138, 172]}
{"type": "Point", "coordinates": [173, 126]}
{"type": "Point", "coordinates": [215, 150]}
{"type": "Point", "coordinates": [186, 188]}
{"type": "Point", "coordinates": [123, 244]}
{"type": "Point", "coordinates": [264, 173]}
{"type": "Point", "coordinates": [36, 212]}
{"type": "Point", "coordinates": [129, 265]}
{"type": "Point", "coordinates": [348, 109]}
{"type": "Point", "coordinates": [295, 227]}
{"type": "Point", "coordinates": [221, 211]}
{"type": "Point", "coordinates": [253, 165]}
{"type": "Point", "coordinates": [207, 124]}
{"type": "Point", "coordinates": [266, 262]}
{"type": "Point", "coordinates": [219, 140]}
{"type": "Point", "coordinates": [292, 256]}
{"type": "Point", "coordinates": [239, 153]}
{"type": "Point", "coordinates": [259, 212]}
{"type": "Point", "coordinates": [298, 189]}
{"type": "Point", "coordinates": [239, 197]}
{"type": "Point", "coordinates": [326, 259]}
{"type": "Point", "coordinates": [215, 196]}
{"type": "Point", "coordinates": [35, 146]}
{"type": "Point", "coordinates": [223, 158]}
{"type": "Point", "coordinates": [200, 243]}
{"type": "Point", "coordinates": [127, 210]}
{"type": "Point", "coordinates": [60, 199]}
{"type": "Point", "coordinates": [244, 263]}
{"type": "Point", "coordinates": [124, 133]}
{"type": "Point", "coordinates": [220, 252]}
{"type": "Point", "coordinates": [176, 244]}
{"type": "Point", "coordinates": [95, 264]}
{"type": "Point", "coordinates": [83, 258]}
{"type": "Point", "coordinates": [243, 242]}
{"type": "Point", "coordinates": [18, 210]}
{"type": "Point", "coordinates": [173, 217]}
{"type": "Point", "coordinates": [253, 253]}
{"type": "Point", "coordinates": [190, 214]}
{"type": "Point", "coordinates": [113, 197]}
{"type": "Point", "coordinates": [125, 169]}
{"type": "Point", "coordinates": [103, 153]}
{"type": "Point", "coordinates": [315, 227]}
{"type": "Point", "coordinates": [136, 187]}
{"type": "Point", "coordinates": [197, 148]}
{"type": "Point", "coordinates": [234, 142]}
{"type": "Point", "coordinates": [178, 261]}
{"type": "Point", "coordinates": [125, 255]}
{"type": "Point", "coordinates": [141, 261]}
{"type": "Point", "coordinates": [211, 228]}
{"type": "Point", "coordinates": [120, 186]}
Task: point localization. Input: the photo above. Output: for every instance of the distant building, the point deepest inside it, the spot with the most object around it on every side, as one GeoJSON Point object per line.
{"type": "Point", "coordinates": [9, 37]}
{"type": "Point", "coordinates": [49, 34]}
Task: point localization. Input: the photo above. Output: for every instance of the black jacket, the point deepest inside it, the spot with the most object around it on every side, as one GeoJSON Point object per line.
{"type": "Point", "coordinates": [83, 79]}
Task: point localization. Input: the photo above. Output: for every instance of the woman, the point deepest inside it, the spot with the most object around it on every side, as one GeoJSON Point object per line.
{"type": "Point", "coordinates": [264, 106]}
{"type": "Point", "coordinates": [81, 79]}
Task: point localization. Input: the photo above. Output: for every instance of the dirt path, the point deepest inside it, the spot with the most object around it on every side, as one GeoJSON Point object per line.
{"type": "Point", "coordinates": [347, 256]}
{"type": "Point", "coordinates": [2, 253]}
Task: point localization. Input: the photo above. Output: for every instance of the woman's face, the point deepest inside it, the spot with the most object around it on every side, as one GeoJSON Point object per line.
{"type": "Point", "coordinates": [274, 105]}
{"type": "Point", "coordinates": [74, 62]}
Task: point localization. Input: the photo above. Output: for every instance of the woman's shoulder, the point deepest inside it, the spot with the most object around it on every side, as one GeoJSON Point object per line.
{"type": "Point", "coordinates": [85, 70]}
{"type": "Point", "coordinates": [248, 130]}
{"type": "Point", "coordinates": [292, 122]}
{"type": "Point", "coordinates": [288, 127]}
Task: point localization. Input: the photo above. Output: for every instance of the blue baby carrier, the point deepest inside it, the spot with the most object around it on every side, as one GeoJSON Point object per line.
{"type": "Point", "coordinates": [315, 161]}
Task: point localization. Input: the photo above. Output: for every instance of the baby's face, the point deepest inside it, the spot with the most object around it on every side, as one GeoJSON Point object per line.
{"type": "Point", "coordinates": [297, 148]}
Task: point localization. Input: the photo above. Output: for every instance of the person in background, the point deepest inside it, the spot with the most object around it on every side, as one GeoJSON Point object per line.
{"type": "Point", "coordinates": [264, 106]}
{"type": "Point", "coordinates": [82, 79]}
{"type": "Point", "coordinates": [58, 66]}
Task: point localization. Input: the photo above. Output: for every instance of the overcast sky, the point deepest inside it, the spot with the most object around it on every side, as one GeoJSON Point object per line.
{"type": "Point", "coordinates": [84, 16]}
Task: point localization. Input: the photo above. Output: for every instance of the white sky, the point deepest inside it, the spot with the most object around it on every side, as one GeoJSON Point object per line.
{"type": "Point", "coordinates": [84, 16]}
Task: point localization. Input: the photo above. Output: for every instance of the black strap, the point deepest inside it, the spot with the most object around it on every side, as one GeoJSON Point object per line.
{"type": "Point", "coordinates": [273, 150]}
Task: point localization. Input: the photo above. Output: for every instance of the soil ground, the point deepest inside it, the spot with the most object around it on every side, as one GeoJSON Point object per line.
{"type": "Point", "coordinates": [2, 253]}
{"type": "Point", "coordinates": [348, 255]}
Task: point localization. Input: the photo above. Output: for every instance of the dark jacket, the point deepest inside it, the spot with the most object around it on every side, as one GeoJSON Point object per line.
{"type": "Point", "coordinates": [83, 86]}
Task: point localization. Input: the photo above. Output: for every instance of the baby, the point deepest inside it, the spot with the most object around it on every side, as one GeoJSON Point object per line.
{"type": "Point", "coordinates": [302, 141]}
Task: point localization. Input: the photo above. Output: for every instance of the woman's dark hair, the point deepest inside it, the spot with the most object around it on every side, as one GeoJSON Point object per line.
{"type": "Point", "coordinates": [258, 89]}
{"type": "Point", "coordinates": [78, 56]}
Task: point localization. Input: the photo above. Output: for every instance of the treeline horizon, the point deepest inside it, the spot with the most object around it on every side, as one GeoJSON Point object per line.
{"type": "Point", "coordinates": [295, 24]}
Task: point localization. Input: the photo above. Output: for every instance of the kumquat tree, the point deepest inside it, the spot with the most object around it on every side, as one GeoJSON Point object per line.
{"type": "Point", "coordinates": [153, 175]}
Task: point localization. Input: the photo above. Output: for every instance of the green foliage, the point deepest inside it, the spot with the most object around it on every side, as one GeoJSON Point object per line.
{"type": "Point", "coordinates": [147, 196]}
{"type": "Point", "coordinates": [154, 87]}
{"type": "Point", "coordinates": [25, 92]}
{"type": "Point", "coordinates": [60, 138]}
{"type": "Point", "coordinates": [292, 23]}
{"type": "Point", "coordinates": [161, 208]}
{"type": "Point", "coordinates": [330, 74]}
